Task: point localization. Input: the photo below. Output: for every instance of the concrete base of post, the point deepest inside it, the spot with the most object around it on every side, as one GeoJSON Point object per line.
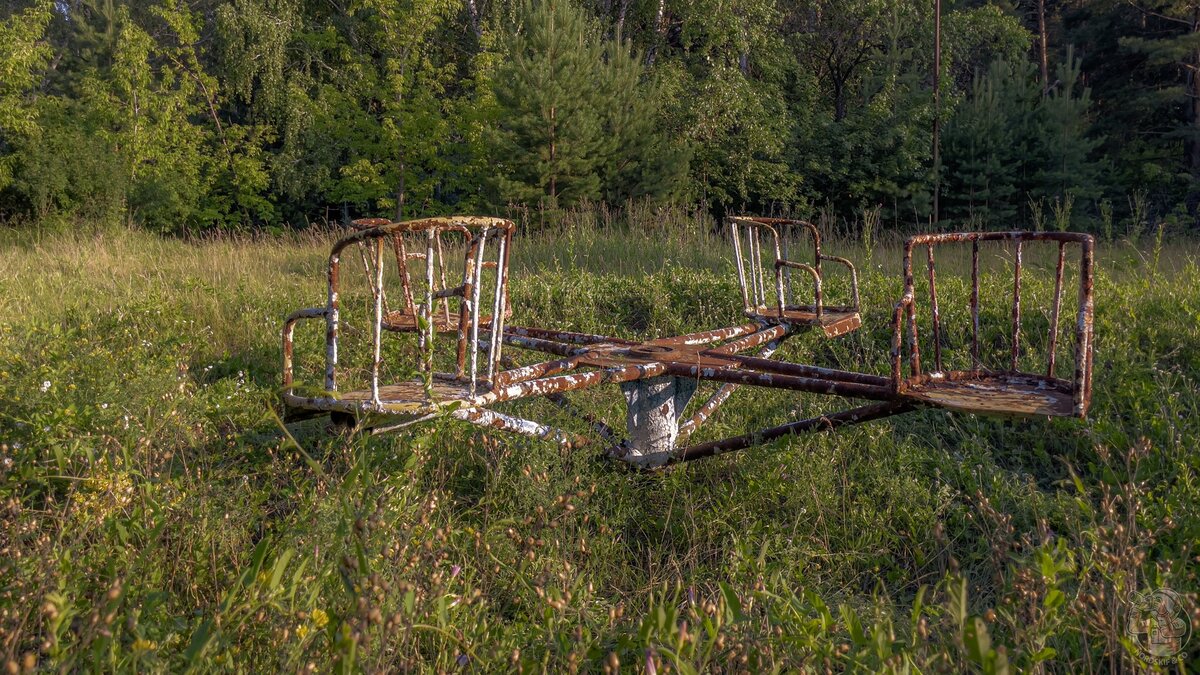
{"type": "Point", "coordinates": [653, 410]}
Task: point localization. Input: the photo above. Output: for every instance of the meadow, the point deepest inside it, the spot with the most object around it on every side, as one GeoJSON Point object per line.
{"type": "Point", "coordinates": [158, 516]}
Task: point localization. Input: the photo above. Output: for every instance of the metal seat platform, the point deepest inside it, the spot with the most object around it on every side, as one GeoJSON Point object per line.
{"type": "Point", "coordinates": [833, 321]}
{"type": "Point", "coordinates": [411, 397]}
{"type": "Point", "coordinates": [1004, 394]}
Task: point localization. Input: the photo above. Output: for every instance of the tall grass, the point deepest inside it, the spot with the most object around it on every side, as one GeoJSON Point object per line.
{"type": "Point", "coordinates": [157, 516]}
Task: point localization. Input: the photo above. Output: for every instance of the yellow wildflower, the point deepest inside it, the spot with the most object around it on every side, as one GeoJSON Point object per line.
{"type": "Point", "coordinates": [144, 645]}
{"type": "Point", "coordinates": [320, 618]}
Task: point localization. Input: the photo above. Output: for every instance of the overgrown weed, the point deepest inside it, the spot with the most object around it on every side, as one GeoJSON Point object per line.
{"type": "Point", "coordinates": [157, 518]}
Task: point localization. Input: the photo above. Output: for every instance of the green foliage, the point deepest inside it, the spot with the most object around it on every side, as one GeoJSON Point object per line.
{"type": "Point", "coordinates": [23, 56]}
{"type": "Point", "coordinates": [252, 114]}
{"type": "Point", "coordinates": [1009, 143]}
{"type": "Point", "coordinates": [866, 110]}
{"type": "Point", "coordinates": [576, 118]}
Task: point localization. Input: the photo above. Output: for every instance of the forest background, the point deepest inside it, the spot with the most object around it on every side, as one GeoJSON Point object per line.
{"type": "Point", "coordinates": [251, 115]}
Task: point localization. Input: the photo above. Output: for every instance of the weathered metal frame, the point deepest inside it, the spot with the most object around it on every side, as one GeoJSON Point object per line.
{"type": "Point", "coordinates": [751, 273]}
{"type": "Point", "coordinates": [587, 360]}
{"type": "Point", "coordinates": [905, 313]}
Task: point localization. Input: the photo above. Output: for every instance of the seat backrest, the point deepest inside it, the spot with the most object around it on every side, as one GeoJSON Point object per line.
{"type": "Point", "coordinates": [905, 316]}
{"type": "Point", "coordinates": [761, 282]}
{"type": "Point", "coordinates": [416, 250]}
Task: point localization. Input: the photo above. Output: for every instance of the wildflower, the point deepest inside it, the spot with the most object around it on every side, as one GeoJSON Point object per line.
{"type": "Point", "coordinates": [144, 645]}
{"type": "Point", "coordinates": [302, 631]}
{"type": "Point", "coordinates": [320, 618]}
{"type": "Point", "coordinates": [45, 386]}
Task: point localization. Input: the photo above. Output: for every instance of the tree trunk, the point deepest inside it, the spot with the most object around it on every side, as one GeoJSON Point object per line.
{"type": "Point", "coordinates": [937, 114]}
{"type": "Point", "coordinates": [473, 15]}
{"type": "Point", "coordinates": [400, 195]}
{"type": "Point", "coordinates": [1043, 47]}
{"type": "Point", "coordinates": [553, 152]}
{"type": "Point", "coordinates": [660, 26]}
{"type": "Point", "coordinates": [1193, 108]}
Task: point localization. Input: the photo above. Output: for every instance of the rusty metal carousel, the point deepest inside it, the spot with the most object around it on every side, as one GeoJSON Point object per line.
{"type": "Point", "coordinates": [465, 329]}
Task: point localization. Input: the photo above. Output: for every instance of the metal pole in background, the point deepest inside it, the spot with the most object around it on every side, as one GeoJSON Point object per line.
{"type": "Point", "coordinates": [937, 99]}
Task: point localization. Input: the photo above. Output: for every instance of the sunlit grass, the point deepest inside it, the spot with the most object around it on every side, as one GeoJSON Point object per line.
{"type": "Point", "coordinates": [157, 516]}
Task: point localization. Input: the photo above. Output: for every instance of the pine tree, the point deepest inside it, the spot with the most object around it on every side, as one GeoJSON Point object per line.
{"type": "Point", "coordinates": [1176, 42]}
{"type": "Point", "coordinates": [578, 117]}
{"type": "Point", "coordinates": [1065, 140]}
{"type": "Point", "coordinates": [642, 161]}
{"type": "Point", "coordinates": [978, 144]}
{"type": "Point", "coordinates": [549, 140]}
{"type": "Point", "coordinates": [1009, 142]}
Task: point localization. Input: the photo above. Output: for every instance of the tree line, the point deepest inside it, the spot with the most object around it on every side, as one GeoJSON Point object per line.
{"type": "Point", "coordinates": [187, 115]}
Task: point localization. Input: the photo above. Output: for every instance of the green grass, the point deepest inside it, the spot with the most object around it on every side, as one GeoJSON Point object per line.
{"type": "Point", "coordinates": [157, 517]}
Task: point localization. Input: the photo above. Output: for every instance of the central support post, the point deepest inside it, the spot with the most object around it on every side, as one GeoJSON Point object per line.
{"type": "Point", "coordinates": [653, 410]}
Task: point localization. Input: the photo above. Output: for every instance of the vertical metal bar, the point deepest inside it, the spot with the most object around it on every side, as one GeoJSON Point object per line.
{"type": "Point", "coordinates": [376, 333]}
{"type": "Point", "coordinates": [464, 307]}
{"type": "Point", "coordinates": [753, 268]}
{"type": "Point", "coordinates": [741, 270]}
{"type": "Point", "coordinates": [1083, 333]}
{"type": "Point", "coordinates": [289, 332]}
{"type": "Point", "coordinates": [778, 272]}
{"type": "Point", "coordinates": [442, 272]}
{"type": "Point", "coordinates": [854, 288]}
{"type": "Point", "coordinates": [370, 271]}
{"type": "Point", "coordinates": [477, 283]}
{"type": "Point", "coordinates": [752, 260]}
{"type": "Point", "coordinates": [779, 288]}
{"type": "Point", "coordinates": [427, 348]}
{"type": "Point", "coordinates": [818, 294]}
{"type": "Point", "coordinates": [933, 309]}
{"type": "Point", "coordinates": [787, 271]}
{"type": "Point", "coordinates": [402, 265]}
{"type": "Point", "coordinates": [331, 325]}
{"type": "Point", "coordinates": [1016, 311]}
{"type": "Point", "coordinates": [975, 304]}
{"type": "Point", "coordinates": [897, 342]}
{"type": "Point", "coordinates": [910, 292]}
{"type": "Point", "coordinates": [816, 255]}
{"type": "Point", "coordinates": [1058, 286]}
{"type": "Point", "coordinates": [498, 312]}
{"type": "Point", "coordinates": [762, 290]}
